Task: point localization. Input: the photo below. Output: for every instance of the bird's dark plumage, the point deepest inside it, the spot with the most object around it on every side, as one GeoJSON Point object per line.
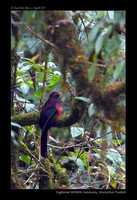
{"type": "Point", "coordinates": [50, 112]}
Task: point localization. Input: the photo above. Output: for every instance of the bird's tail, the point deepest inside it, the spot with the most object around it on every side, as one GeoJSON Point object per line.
{"type": "Point", "coordinates": [43, 145]}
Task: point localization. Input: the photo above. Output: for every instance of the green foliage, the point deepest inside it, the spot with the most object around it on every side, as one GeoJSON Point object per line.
{"type": "Point", "coordinates": [119, 17]}
{"type": "Point", "coordinates": [25, 158]}
{"type": "Point", "coordinates": [91, 151]}
{"type": "Point", "coordinates": [92, 72]}
{"type": "Point", "coordinates": [54, 80]}
{"type": "Point", "coordinates": [87, 100]}
{"type": "Point", "coordinates": [91, 110]}
{"type": "Point", "coordinates": [119, 69]}
{"type": "Point", "coordinates": [37, 94]}
{"type": "Point", "coordinates": [99, 43]}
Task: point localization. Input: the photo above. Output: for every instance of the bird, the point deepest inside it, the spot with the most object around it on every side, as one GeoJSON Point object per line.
{"type": "Point", "coordinates": [50, 112]}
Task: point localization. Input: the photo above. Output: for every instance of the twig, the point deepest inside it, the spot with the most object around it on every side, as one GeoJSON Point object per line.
{"type": "Point", "coordinates": [41, 38]}
{"type": "Point", "coordinates": [117, 138]}
{"type": "Point", "coordinates": [78, 145]}
{"type": "Point", "coordinates": [34, 44]}
{"type": "Point", "coordinates": [84, 28]}
{"type": "Point", "coordinates": [71, 89]}
{"type": "Point", "coordinates": [109, 169]}
{"type": "Point", "coordinates": [31, 154]}
{"type": "Point", "coordinates": [66, 147]}
{"type": "Point", "coordinates": [25, 171]}
{"type": "Point", "coordinates": [97, 64]}
{"type": "Point", "coordinates": [42, 95]}
{"type": "Point", "coordinates": [44, 84]}
{"type": "Point", "coordinates": [102, 135]}
{"type": "Point", "coordinates": [109, 63]}
{"type": "Point", "coordinates": [30, 175]}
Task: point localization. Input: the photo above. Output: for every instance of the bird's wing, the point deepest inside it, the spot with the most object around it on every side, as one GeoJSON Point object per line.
{"type": "Point", "coordinates": [49, 117]}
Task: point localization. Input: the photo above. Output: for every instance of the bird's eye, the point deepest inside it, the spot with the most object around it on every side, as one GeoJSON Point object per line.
{"type": "Point", "coordinates": [56, 95]}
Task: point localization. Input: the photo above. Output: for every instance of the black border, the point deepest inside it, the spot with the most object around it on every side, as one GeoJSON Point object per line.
{"type": "Point", "coordinates": [5, 91]}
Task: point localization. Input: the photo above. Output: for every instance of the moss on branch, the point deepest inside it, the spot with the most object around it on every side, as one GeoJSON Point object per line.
{"type": "Point", "coordinates": [114, 89]}
{"type": "Point", "coordinates": [26, 119]}
{"type": "Point", "coordinates": [63, 34]}
{"type": "Point", "coordinates": [66, 119]}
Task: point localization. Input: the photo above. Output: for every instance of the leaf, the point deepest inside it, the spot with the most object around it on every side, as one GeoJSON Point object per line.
{"type": "Point", "coordinates": [116, 142]}
{"type": "Point", "coordinates": [76, 131]}
{"type": "Point", "coordinates": [91, 110]}
{"type": "Point", "coordinates": [78, 162]}
{"type": "Point", "coordinates": [97, 156]}
{"type": "Point", "coordinates": [25, 158]}
{"type": "Point", "coordinates": [111, 47]}
{"type": "Point", "coordinates": [13, 133]}
{"type": "Point", "coordinates": [94, 32]}
{"type": "Point", "coordinates": [89, 169]}
{"type": "Point", "coordinates": [111, 15]}
{"type": "Point", "coordinates": [19, 73]}
{"type": "Point", "coordinates": [37, 94]}
{"type": "Point", "coordinates": [113, 183]}
{"type": "Point", "coordinates": [118, 70]}
{"type": "Point", "coordinates": [54, 80]}
{"type": "Point", "coordinates": [92, 72]}
{"type": "Point", "coordinates": [20, 53]}
{"type": "Point", "coordinates": [87, 100]}
{"type": "Point", "coordinates": [36, 67]}
{"type": "Point", "coordinates": [15, 143]}
{"type": "Point", "coordinates": [51, 65]}
{"type": "Point", "coordinates": [24, 88]}
{"type": "Point", "coordinates": [104, 81]}
{"type": "Point", "coordinates": [99, 43]}
{"type": "Point", "coordinates": [114, 156]}
{"type": "Point", "coordinates": [112, 171]}
{"type": "Point", "coordinates": [29, 106]}
{"type": "Point", "coordinates": [122, 166]}
{"type": "Point", "coordinates": [85, 158]}
{"type": "Point", "coordinates": [119, 17]}
{"type": "Point", "coordinates": [110, 70]}
{"type": "Point", "coordinates": [57, 73]}
{"type": "Point", "coordinates": [30, 84]}
{"type": "Point", "coordinates": [101, 14]}
{"type": "Point", "coordinates": [15, 124]}
{"type": "Point", "coordinates": [24, 66]}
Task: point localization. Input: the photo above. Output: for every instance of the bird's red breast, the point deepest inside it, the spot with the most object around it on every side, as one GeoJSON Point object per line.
{"type": "Point", "coordinates": [60, 110]}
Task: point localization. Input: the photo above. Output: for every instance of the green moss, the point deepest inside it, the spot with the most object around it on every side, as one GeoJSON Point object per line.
{"type": "Point", "coordinates": [46, 176]}
{"type": "Point", "coordinates": [26, 119]}
{"type": "Point", "coordinates": [60, 175]}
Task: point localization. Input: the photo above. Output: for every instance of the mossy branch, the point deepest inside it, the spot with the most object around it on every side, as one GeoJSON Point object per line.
{"type": "Point", "coordinates": [66, 119]}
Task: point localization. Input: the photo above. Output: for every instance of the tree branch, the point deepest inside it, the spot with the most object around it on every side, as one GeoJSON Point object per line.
{"type": "Point", "coordinates": [41, 38]}
{"type": "Point", "coordinates": [66, 119]}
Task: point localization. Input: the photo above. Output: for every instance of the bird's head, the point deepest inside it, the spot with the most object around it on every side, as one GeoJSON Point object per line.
{"type": "Point", "coordinates": [55, 95]}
